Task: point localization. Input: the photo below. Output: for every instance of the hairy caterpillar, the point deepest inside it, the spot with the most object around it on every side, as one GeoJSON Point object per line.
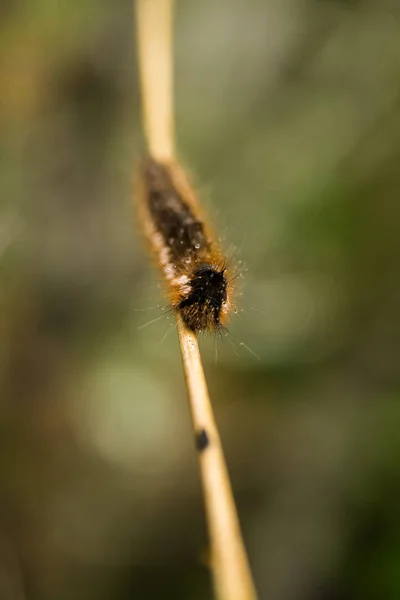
{"type": "Point", "coordinates": [194, 268]}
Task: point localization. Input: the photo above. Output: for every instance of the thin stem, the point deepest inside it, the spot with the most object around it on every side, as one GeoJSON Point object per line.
{"type": "Point", "coordinates": [154, 33]}
{"type": "Point", "coordinates": [230, 569]}
{"type": "Point", "coordinates": [231, 573]}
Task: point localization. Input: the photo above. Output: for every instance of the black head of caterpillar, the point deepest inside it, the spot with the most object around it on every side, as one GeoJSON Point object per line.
{"type": "Point", "coordinates": [204, 305]}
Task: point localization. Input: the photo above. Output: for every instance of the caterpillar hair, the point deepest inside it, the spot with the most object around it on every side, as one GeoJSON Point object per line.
{"type": "Point", "coordinates": [194, 268]}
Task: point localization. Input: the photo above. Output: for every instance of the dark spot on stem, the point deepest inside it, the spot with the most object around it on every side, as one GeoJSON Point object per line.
{"type": "Point", "coordinates": [202, 440]}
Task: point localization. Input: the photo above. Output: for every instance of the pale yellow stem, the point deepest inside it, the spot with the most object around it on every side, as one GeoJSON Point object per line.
{"type": "Point", "coordinates": [232, 578]}
{"type": "Point", "coordinates": [231, 573]}
{"type": "Point", "coordinates": [154, 34]}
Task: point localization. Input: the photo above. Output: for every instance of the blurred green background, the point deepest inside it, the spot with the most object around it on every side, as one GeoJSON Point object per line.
{"type": "Point", "coordinates": [288, 114]}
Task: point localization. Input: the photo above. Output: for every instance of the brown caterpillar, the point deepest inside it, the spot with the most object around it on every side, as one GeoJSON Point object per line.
{"type": "Point", "coordinates": [194, 268]}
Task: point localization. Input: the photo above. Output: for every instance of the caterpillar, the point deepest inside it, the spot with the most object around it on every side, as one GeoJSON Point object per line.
{"type": "Point", "coordinates": [194, 268]}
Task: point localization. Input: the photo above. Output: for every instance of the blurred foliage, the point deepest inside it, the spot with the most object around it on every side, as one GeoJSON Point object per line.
{"type": "Point", "coordinates": [288, 113]}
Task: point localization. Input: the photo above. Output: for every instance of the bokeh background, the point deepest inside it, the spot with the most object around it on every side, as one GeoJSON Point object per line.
{"type": "Point", "coordinates": [288, 114]}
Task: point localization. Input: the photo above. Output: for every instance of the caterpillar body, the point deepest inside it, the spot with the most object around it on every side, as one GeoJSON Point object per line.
{"type": "Point", "coordinates": [193, 265]}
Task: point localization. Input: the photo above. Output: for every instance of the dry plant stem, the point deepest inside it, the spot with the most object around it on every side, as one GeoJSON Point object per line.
{"type": "Point", "coordinates": [231, 573]}
{"type": "Point", "coordinates": [154, 32]}
{"type": "Point", "coordinates": [230, 569]}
